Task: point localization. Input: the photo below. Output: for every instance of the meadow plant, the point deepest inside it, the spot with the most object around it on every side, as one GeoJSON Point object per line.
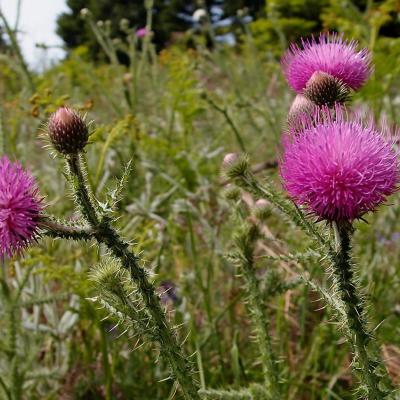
{"type": "Point", "coordinates": [21, 219]}
{"type": "Point", "coordinates": [335, 168]}
{"type": "Point", "coordinates": [68, 132]}
{"type": "Point", "coordinates": [340, 170]}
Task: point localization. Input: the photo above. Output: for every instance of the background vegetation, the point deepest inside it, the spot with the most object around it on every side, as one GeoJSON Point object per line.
{"type": "Point", "coordinates": [175, 112]}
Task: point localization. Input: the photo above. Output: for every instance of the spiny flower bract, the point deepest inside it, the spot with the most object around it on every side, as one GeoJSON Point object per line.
{"type": "Point", "coordinates": [19, 207]}
{"type": "Point", "coordinates": [330, 53]}
{"type": "Point", "coordinates": [299, 110]}
{"type": "Point", "coordinates": [68, 131]}
{"type": "Point", "coordinates": [339, 169]}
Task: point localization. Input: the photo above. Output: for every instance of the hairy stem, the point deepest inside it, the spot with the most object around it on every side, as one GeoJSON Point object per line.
{"type": "Point", "coordinates": [54, 229]}
{"type": "Point", "coordinates": [245, 243]}
{"type": "Point", "coordinates": [105, 234]}
{"type": "Point", "coordinates": [81, 191]}
{"type": "Point", "coordinates": [357, 324]}
{"type": "Point", "coordinates": [12, 348]}
{"type": "Point", "coordinates": [254, 392]}
{"type": "Point", "coordinates": [262, 327]}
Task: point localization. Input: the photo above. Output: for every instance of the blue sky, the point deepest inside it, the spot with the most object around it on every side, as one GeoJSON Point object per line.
{"type": "Point", "coordinates": [37, 25]}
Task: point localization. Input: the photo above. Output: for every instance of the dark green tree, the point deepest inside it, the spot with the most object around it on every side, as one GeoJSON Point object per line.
{"type": "Point", "coordinates": [255, 7]}
{"type": "Point", "coordinates": [168, 16]}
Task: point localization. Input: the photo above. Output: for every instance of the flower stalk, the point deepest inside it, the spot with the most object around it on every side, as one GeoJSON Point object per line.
{"type": "Point", "coordinates": [245, 243]}
{"type": "Point", "coordinates": [356, 322]}
{"type": "Point", "coordinates": [105, 234]}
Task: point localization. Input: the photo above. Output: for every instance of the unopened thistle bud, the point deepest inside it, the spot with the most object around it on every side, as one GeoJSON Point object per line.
{"type": "Point", "coordinates": [124, 24]}
{"type": "Point", "coordinates": [301, 109]}
{"type": "Point", "coordinates": [261, 209]}
{"type": "Point", "coordinates": [68, 132]}
{"type": "Point", "coordinates": [232, 192]}
{"type": "Point", "coordinates": [229, 159]}
{"type": "Point", "coordinates": [325, 90]}
{"type": "Point", "coordinates": [234, 165]}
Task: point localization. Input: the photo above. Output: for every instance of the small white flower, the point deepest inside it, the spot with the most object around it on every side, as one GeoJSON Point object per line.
{"type": "Point", "coordinates": [199, 14]}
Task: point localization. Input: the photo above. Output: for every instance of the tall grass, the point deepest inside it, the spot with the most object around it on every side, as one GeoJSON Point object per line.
{"type": "Point", "coordinates": [175, 115]}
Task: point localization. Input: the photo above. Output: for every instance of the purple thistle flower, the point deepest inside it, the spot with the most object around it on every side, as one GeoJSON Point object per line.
{"type": "Point", "coordinates": [141, 33]}
{"type": "Point", "coordinates": [339, 169]}
{"type": "Point", "coordinates": [331, 54]}
{"type": "Point", "coordinates": [19, 207]}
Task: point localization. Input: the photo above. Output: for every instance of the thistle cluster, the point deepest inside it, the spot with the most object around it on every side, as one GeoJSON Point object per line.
{"type": "Point", "coordinates": [334, 166]}
{"type": "Point", "coordinates": [338, 167]}
{"type": "Point", "coordinates": [123, 285]}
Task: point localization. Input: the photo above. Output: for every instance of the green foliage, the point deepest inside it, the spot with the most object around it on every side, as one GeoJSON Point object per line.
{"type": "Point", "coordinates": [174, 208]}
{"type": "Point", "coordinates": [288, 20]}
{"type": "Point", "coordinates": [169, 18]}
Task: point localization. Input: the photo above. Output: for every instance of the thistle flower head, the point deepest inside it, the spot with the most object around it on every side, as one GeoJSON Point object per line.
{"type": "Point", "coordinates": [234, 165]}
{"type": "Point", "coordinates": [19, 208]}
{"type": "Point", "coordinates": [142, 32]}
{"type": "Point", "coordinates": [331, 54]}
{"type": "Point", "coordinates": [339, 169]}
{"type": "Point", "coordinates": [68, 132]}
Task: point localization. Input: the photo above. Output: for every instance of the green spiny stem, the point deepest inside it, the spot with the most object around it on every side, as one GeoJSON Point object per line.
{"type": "Point", "coordinates": [15, 384]}
{"type": "Point", "coordinates": [212, 394]}
{"type": "Point", "coordinates": [261, 324]}
{"type": "Point", "coordinates": [254, 392]}
{"type": "Point", "coordinates": [168, 341]}
{"type": "Point", "coordinates": [54, 229]}
{"type": "Point", "coordinates": [104, 233]}
{"type": "Point", "coordinates": [245, 243]}
{"type": "Point", "coordinates": [354, 308]}
{"type": "Point", "coordinates": [81, 191]}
